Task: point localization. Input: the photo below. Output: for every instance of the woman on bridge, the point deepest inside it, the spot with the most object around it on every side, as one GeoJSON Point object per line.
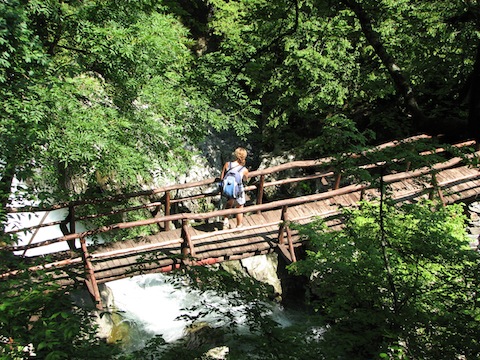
{"type": "Point", "coordinates": [238, 165]}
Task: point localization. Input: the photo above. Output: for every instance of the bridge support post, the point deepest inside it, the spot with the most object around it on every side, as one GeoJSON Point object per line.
{"type": "Point", "coordinates": [90, 281]}
{"type": "Point", "coordinates": [290, 255]}
{"type": "Point", "coordinates": [260, 191]}
{"type": "Point", "coordinates": [407, 168]}
{"type": "Point", "coordinates": [337, 181]}
{"type": "Point", "coordinates": [362, 194]}
{"type": "Point", "coordinates": [187, 245]}
{"type": "Point", "coordinates": [167, 210]}
{"type": "Point", "coordinates": [438, 189]}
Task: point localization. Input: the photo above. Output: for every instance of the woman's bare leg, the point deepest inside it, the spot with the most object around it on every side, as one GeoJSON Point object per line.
{"type": "Point", "coordinates": [228, 205]}
{"type": "Point", "coordinates": [239, 216]}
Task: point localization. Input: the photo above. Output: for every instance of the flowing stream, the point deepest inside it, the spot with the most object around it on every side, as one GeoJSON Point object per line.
{"type": "Point", "coordinates": [153, 305]}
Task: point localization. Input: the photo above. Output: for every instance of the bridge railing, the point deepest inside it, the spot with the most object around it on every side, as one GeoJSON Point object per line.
{"type": "Point", "coordinates": [186, 245]}
{"type": "Point", "coordinates": [331, 179]}
{"type": "Point", "coordinates": [435, 188]}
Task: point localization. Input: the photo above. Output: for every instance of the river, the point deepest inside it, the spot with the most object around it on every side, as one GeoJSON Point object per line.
{"type": "Point", "coordinates": [156, 305]}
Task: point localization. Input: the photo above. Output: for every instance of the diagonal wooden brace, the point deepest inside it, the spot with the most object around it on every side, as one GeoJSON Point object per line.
{"type": "Point", "coordinates": [90, 281]}
{"type": "Point", "coordinates": [285, 228]}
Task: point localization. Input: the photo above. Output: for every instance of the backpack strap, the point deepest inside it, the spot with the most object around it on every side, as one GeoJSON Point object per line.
{"type": "Point", "coordinates": [239, 174]}
{"type": "Point", "coordinates": [241, 170]}
{"type": "Point", "coordinates": [230, 168]}
{"type": "Point", "coordinates": [226, 172]}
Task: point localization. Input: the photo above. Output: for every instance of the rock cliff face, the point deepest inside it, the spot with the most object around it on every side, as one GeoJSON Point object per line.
{"type": "Point", "coordinates": [217, 149]}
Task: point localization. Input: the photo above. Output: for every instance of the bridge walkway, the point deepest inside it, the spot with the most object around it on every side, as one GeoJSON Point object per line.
{"type": "Point", "coordinates": [262, 232]}
{"type": "Point", "coordinates": [201, 240]}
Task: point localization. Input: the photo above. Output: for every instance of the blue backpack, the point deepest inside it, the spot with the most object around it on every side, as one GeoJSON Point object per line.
{"type": "Point", "coordinates": [232, 182]}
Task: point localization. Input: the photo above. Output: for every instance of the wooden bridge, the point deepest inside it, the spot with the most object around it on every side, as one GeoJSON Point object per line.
{"type": "Point", "coordinates": [448, 174]}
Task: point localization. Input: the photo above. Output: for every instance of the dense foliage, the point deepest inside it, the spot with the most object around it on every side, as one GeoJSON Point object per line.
{"type": "Point", "coordinates": [107, 95]}
{"type": "Point", "coordinates": [397, 282]}
{"type": "Point", "coordinates": [395, 67]}
{"type": "Point", "coordinates": [95, 94]}
{"type": "Point", "coordinates": [38, 320]}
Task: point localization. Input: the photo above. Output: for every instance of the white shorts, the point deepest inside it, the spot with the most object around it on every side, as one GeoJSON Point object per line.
{"type": "Point", "coordinates": [241, 199]}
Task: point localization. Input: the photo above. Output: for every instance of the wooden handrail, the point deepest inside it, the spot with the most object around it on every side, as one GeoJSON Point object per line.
{"type": "Point", "coordinates": [169, 201]}
{"type": "Point", "coordinates": [168, 218]}
{"type": "Point", "coordinates": [252, 174]}
{"type": "Point", "coordinates": [254, 208]}
{"type": "Point", "coordinates": [191, 217]}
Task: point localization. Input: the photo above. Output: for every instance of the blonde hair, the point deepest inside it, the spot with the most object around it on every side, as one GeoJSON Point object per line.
{"type": "Point", "coordinates": [241, 155]}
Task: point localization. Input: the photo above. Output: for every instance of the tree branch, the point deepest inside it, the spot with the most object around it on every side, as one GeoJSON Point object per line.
{"type": "Point", "coordinates": [400, 81]}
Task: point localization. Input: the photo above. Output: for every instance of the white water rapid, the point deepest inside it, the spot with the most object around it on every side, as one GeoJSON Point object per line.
{"type": "Point", "coordinates": [153, 304]}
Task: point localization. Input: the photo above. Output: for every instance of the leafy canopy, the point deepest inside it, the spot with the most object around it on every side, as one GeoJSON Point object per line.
{"type": "Point", "coordinates": [298, 63]}
{"type": "Point", "coordinates": [400, 281]}
{"type": "Point", "coordinates": [96, 90]}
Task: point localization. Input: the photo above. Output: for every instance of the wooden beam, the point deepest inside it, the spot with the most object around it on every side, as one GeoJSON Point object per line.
{"type": "Point", "coordinates": [284, 252]}
{"type": "Point", "coordinates": [91, 281]}
{"type": "Point", "coordinates": [187, 244]}
{"type": "Point", "coordinates": [281, 228]}
{"type": "Point", "coordinates": [167, 210]}
{"type": "Point", "coordinates": [338, 178]}
{"type": "Point", "coordinates": [290, 244]}
{"type": "Point", "coordinates": [284, 224]}
{"type": "Point", "coordinates": [260, 186]}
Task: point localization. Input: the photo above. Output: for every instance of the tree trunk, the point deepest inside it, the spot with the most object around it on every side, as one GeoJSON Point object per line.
{"type": "Point", "coordinates": [5, 190]}
{"type": "Point", "coordinates": [474, 99]}
{"type": "Point", "coordinates": [402, 84]}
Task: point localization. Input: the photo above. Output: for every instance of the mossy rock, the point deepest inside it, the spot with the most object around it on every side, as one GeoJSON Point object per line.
{"type": "Point", "coordinates": [201, 334]}
{"type": "Point", "coordinates": [121, 330]}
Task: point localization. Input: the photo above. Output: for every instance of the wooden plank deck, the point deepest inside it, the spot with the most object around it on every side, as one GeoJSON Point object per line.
{"type": "Point", "coordinates": [212, 244]}
{"type": "Point", "coordinates": [161, 252]}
